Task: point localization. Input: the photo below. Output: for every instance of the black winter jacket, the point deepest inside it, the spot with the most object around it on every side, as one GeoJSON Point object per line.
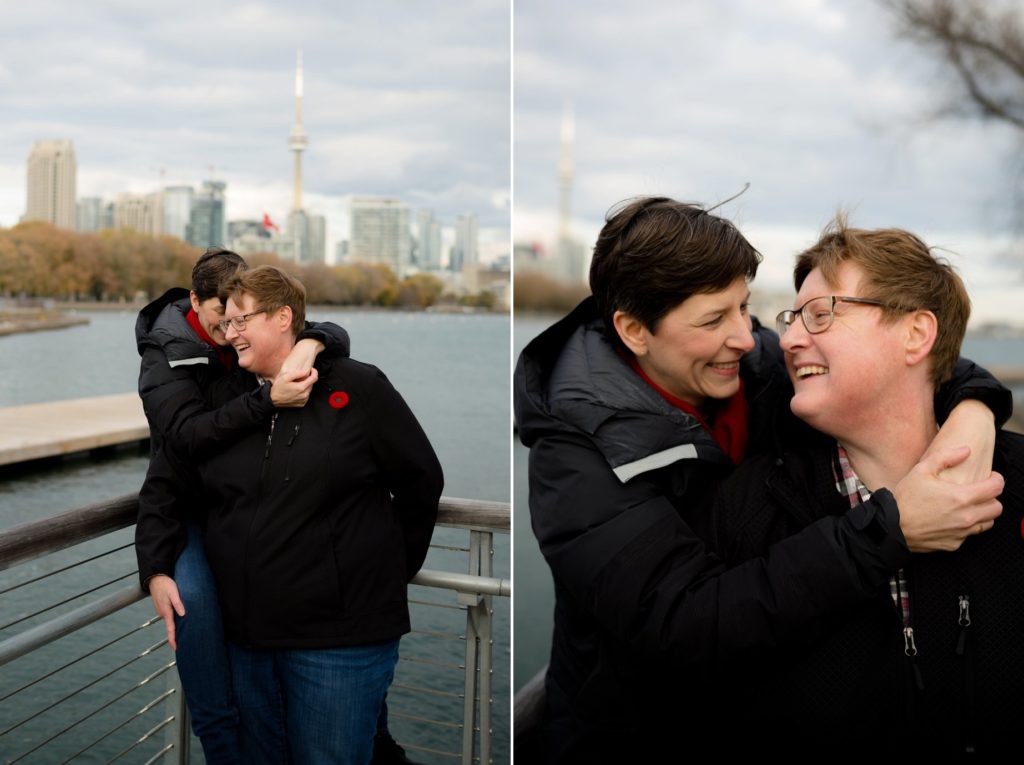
{"type": "Point", "coordinates": [963, 690]}
{"type": "Point", "coordinates": [317, 521]}
{"type": "Point", "coordinates": [621, 484]}
{"type": "Point", "coordinates": [177, 368]}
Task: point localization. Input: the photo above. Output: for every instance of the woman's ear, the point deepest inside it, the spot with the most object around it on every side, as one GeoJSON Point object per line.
{"type": "Point", "coordinates": [631, 331]}
{"type": "Point", "coordinates": [922, 328]}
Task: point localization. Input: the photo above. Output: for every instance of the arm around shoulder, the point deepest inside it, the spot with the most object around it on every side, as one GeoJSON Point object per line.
{"type": "Point", "coordinates": [627, 555]}
{"type": "Point", "coordinates": [178, 409]}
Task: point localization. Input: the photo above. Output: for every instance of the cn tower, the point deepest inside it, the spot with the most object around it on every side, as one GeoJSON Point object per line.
{"type": "Point", "coordinates": [297, 141]}
{"type": "Point", "coordinates": [565, 172]}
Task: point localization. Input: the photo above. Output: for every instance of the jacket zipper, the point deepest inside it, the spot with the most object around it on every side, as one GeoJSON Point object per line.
{"type": "Point", "coordinates": [962, 650]}
{"type": "Point", "coordinates": [909, 646]}
{"type": "Point", "coordinates": [252, 521]}
{"type": "Point", "coordinates": [288, 465]}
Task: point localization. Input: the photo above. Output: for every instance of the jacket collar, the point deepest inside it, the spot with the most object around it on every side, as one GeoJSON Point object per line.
{"type": "Point", "coordinates": [570, 379]}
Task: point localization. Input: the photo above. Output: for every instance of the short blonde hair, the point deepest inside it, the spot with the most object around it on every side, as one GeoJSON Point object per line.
{"type": "Point", "coordinates": [901, 272]}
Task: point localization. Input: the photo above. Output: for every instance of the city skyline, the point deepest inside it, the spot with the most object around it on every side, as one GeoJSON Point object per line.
{"type": "Point", "coordinates": [413, 105]}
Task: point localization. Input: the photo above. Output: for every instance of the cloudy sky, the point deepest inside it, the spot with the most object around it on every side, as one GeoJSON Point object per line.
{"type": "Point", "coordinates": [406, 99]}
{"type": "Point", "coordinates": [813, 102]}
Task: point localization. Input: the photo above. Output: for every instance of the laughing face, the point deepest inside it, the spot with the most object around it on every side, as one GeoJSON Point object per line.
{"type": "Point", "coordinates": [261, 346]}
{"type": "Point", "coordinates": [210, 313]}
{"type": "Point", "coordinates": [695, 352]}
{"type": "Point", "coordinates": [841, 376]}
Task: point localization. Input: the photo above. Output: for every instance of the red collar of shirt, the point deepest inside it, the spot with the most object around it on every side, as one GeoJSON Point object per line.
{"type": "Point", "coordinates": [225, 355]}
{"type": "Point", "coordinates": [728, 424]}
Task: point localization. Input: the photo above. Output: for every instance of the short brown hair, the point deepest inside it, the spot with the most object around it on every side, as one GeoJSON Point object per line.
{"type": "Point", "coordinates": [901, 272]}
{"type": "Point", "coordinates": [213, 269]}
{"type": "Point", "coordinates": [654, 252]}
{"type": "Point", "coordinates": [272, 289]}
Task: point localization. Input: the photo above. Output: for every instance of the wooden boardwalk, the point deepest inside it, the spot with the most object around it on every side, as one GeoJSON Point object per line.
{"type": "Point", "coordinates": [34, 431]}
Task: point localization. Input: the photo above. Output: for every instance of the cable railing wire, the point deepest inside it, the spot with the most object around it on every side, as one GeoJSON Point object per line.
{"type": "Point", "coordinates": [70, 566]}
{"type": "Point", "coordinates": [144, 738]}
{"type": "Point", "coordinates": [88, 685]}
{"type": "Point", "coordinates": [91, 590]}
{"type": "Point", "coordinates": [162, 697]}
{"type": "Point", "coordinates": [159, 755]}
{"type": "Point", "coordinates": [430, 691]}
{"type": "Point", "coordinates": [93, 713]}
{"type": "Point", "coordinates": [71, 663]}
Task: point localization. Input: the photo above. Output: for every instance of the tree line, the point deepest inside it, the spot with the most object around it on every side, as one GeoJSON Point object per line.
{"type": "Point", "coordinates": [40, 260]}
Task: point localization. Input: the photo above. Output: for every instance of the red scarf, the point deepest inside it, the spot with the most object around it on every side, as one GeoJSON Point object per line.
{"type": "Point", "coordinates": [225, 355]}
{"type": "Point", "coordinates": [729, 417]}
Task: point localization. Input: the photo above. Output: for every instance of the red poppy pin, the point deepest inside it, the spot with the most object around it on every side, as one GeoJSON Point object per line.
{"type": "Point", "coordinates": [338, 399]}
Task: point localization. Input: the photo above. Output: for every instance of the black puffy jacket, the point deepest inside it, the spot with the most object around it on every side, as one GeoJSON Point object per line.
{"type": "Point", "coordinates": [961, 692]}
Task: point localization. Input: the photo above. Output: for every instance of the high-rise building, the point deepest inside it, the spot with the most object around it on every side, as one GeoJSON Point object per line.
{"type": "Point", "coordinates": [177, 205]}
{"type": "Point", "coordinates": [317, 239]}
{"type": "Point", "coordinates": [467, 238]}
{"type": "Point", "coordinates": [90, 214]}
{"type": "Point", "coordinates": [140, 212]}
{"type": "Point", "coordinates": [380, 233]}
{"type": "Point", "coordinates": [206, 221]}
{"type": "Point", "coordinates": [428, 241]}
{"type": "Point", "coordinates": [51, 183]}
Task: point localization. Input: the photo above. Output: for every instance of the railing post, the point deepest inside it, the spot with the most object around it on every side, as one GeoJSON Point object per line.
{"type": "Point", "coordinates": [479, 648]}
{"type": "Point", "coordinates": [472, 601]}
{"type": "Point", "coordinates": [486, 648]}
{"type": "Point", "coordinates": [178, 735]}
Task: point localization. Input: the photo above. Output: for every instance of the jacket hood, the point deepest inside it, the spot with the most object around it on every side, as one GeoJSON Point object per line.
{"type": "Point", "coordinates": [570, 379]}
{"type": "Point", "coordinates": [162, 324]}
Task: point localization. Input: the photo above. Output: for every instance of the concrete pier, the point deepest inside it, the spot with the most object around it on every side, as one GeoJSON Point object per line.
{"type": "Point", "coordinates": [34, 431]}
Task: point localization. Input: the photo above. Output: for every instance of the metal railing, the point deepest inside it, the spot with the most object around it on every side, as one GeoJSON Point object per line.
{"type": "Point", "coordinates": [65, 706]}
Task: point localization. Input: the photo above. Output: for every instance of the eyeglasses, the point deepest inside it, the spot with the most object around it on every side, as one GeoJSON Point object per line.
{"type": "Point", "coordinates": [819, 313]}
{"type": "Point", "coordinates": [238, 322]}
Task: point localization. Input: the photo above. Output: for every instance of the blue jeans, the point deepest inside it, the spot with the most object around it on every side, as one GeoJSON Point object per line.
{"type": "Point", "coordinates": [311, 707]}
{"type": "Point", "coordinates": [202, 656]}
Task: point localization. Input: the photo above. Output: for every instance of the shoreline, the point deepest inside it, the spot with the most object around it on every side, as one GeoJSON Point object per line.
{"type": "Point", "coordinates": [15, 322]}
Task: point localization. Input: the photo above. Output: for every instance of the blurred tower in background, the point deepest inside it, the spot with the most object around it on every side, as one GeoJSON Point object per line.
{"type": "Point", "coordinates": [570, 253]}
{"type": "Point", "coordinates": [51, 183]}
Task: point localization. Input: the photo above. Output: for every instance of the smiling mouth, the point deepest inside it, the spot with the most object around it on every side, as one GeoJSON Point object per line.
{"type": "Point", "coordinates": [809, 371]}
{"type": "Point", "coordinates": [241, 347]}
{"type": "Point", "coordinates": [727, 365]}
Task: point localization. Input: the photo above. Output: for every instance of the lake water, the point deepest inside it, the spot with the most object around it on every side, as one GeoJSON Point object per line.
{"type": "Point", "coordinates": [453, 370]}
{"type": "Point", "coordinates": [534, 601]}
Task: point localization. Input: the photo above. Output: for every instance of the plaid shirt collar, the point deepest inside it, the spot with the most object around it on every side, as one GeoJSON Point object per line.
{"type": "Point", "coordinates": [849, 485]}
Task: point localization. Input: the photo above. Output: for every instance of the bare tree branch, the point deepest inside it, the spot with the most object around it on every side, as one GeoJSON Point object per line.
{"type": "Point", "coordinates": [981, 41]}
